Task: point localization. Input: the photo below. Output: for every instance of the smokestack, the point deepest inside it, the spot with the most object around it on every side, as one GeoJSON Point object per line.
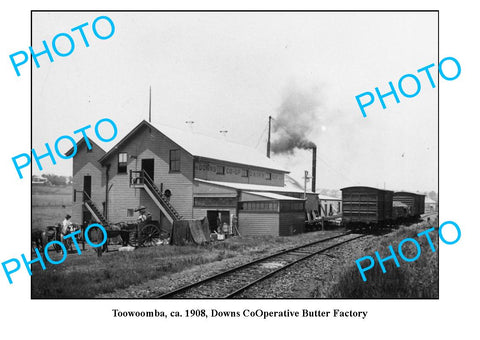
{"type": "Point", "coordinates": [314, 167]}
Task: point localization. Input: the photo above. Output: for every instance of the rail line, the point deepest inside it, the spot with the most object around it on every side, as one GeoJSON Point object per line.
{"type": "Point", "coordinates": [234, 281]}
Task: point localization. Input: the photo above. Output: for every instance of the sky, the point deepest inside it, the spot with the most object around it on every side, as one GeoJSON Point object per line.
{"type": "Point", "coordinates": [230, 71]}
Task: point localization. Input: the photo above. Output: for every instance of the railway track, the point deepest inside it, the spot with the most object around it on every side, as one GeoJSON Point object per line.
{"type": "Point", "coordinates": [426, 215]}
{"type": "Point", "coordinates": [233, 282]}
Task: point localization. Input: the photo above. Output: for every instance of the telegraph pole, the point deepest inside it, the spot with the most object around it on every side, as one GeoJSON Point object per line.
{"type": "Point", "coordinates": [269, 132]}
{"type": "Point", "coordinates": [150, 106]}
{"type": "Point", "coordinates": [305, 184]}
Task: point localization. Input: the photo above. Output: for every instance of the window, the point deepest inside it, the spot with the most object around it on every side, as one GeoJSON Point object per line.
{"type": "Point", "coordinates": [122, 163]}
{"type": "Point", "coordinates": [260, 206]}
{"type": "Point", "coordinates": [215, 201]}
{"type": "Point", "coordinates": [129, 212]}
{"type": "Point", "coordinates": [268, 176]}
{"type": "Point", "coordinates": [244, 172]}
{"type": "Point", "coordinates": [292, 206]}
{"type": "Point", "coordinates": [174, 160]}
{"type": "Point", "coordinates": [220, 170]}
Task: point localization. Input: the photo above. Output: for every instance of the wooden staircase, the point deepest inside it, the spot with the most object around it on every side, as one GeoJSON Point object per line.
{"type": "Point", "coordinates": [87, 201]}
{"type": "Point", "coordinates": [155, 193]}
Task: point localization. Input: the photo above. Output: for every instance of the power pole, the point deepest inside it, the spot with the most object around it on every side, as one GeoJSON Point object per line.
{"type": "Point", "coordinates": [305, 184]}
{"type": "Point", "coordinates": [269, 132]}
{"type": "Point", "coordinates": [150, 106]}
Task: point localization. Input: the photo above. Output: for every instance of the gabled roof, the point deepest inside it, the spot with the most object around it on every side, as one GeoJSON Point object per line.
{"type": "Point", "coordinates": [206, 147]}
{"type": "Point", "coordinates": [293, 185]}
{"type": "Point", "coordinates": [80, 143]}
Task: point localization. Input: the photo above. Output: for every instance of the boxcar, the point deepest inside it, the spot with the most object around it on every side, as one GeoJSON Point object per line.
{"type": "Point", "coordinates": [401, 211]}
{"type": "Point", "coordinates": [366, 206]}
{"type": "Point", "coordinates": [415, 202]}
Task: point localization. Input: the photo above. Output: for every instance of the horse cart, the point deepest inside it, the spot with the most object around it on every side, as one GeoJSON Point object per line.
{"type": "Point", "coordinates": [138, 234]}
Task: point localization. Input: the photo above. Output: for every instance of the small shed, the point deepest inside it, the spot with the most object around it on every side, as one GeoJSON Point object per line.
{"type": "Point", "coordinates": [266, 213]}
{"type": "Point", "coordinates": [329, 206]}
{"type": "Point", "coordinates": [430, 205]}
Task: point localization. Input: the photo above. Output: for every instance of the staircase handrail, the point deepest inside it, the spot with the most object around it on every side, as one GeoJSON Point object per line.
{"type": "Point", "coordinates": [149, 181]}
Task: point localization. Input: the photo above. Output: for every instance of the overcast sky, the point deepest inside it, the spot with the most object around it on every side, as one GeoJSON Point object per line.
{"type": "Point", "coordinates": [230, 71]}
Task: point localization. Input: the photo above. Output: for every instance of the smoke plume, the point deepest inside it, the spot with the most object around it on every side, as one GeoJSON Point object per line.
{"type": "Point", "coordinates": [297, 117]}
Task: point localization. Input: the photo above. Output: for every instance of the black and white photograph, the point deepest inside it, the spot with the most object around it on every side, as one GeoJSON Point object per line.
{"type": "Point", "coordinates": [225, 155]}
{"type": "Point", "coordinates": [239, 170]}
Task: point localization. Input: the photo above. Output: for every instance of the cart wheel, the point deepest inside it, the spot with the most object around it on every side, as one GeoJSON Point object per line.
{"type": "Point", "coordinates": [149, 235]}
{"type": "Point", "coordinates": [57, 247]}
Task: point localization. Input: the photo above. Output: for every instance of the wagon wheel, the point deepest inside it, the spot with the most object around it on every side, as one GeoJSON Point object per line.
{"type": "Point", "coordinates": [57, 247]}
{"type": "Point", "coordinates": [149, 235]}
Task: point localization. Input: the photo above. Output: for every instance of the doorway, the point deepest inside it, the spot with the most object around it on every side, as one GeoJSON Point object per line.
{"type": "Point", "coordinates": [216, 216]}
{"type": "Point", "coordinates": [87, 187]}
{"type": "Point", "coordinates": [148, 167]}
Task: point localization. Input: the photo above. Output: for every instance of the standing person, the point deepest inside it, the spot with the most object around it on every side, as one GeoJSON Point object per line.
{"type": "Point", "coordinates": [66, 225]}
{"type": "Point", "coordinates": [66, 228]}
{"type": "Point", "coordinates": [219, 224]}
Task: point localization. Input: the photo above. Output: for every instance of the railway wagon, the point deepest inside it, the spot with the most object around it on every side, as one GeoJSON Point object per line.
{"type": "Point", "coordinates": [401, 211]}
{"type": "Point", "coordinates": [366, 206]}
{"type": "Point", "coordinates": [415, 202]}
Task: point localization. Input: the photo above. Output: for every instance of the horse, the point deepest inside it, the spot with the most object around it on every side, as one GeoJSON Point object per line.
{"type": "Point", "coordinates": [118, 229]}
{"type": "Point", "coordinates": [37, 239]}
{"type": "Point", "coordinates": [95, 235]}
{"type": "Point", "coordinates": [51, 233]}
{"type": "Point", "coordinates": [66, 230]}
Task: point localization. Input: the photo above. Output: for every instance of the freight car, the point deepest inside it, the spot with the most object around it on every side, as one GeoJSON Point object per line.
{"type": "Point", "coordinates": [366, 207]}
{"type": "Point", "coordinates": [401, 211]}
{"type": "Point", "coordinates": [415, 203]}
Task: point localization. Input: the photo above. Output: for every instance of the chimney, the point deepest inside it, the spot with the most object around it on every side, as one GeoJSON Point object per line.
{"type": "Point", "coordinates": [314, 167]}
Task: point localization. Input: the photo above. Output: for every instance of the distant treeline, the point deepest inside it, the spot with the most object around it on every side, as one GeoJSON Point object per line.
{"type": "Point", "coordinates": [57, 179]}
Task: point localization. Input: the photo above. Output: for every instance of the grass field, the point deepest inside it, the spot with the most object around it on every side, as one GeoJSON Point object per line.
{"type": "Point", "coordinates": [418, 279]}
{"type": "Point", "coordinates": [50, 204]}
{"type": "Point", "coordinates": [85, 275]}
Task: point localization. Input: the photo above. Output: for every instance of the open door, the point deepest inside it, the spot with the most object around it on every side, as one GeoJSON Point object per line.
{"type": "Point", "coordinates": [148, 167]}
{"type": "Point", "coordinates": [87, 187]}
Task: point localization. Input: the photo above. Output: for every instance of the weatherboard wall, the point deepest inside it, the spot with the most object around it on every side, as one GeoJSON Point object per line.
{"type": "Point", "coordinates": [291, 223]}
{"type": "Point", "coordinates": [85, 163]}
{"type": "Point", "coordinates": [228, 172]}
{"type": "Point", "coordinates": [258, 223]}
{"type": "Point", "coordinates": [148, 143]}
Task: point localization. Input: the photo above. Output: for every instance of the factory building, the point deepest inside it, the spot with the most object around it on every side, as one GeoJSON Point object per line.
{"type": "Point", "coordinates": [182, 175]}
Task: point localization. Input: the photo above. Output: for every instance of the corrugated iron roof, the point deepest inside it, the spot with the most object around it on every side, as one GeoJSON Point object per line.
{"type": "Point", "coordinates": [252, 187]}
{"type": "Point", "coordinates": [328, 198]}
{"type": "Point", "coordinates": [209, 147]}
{"type": "Point", "coordinates": [273, 196]}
